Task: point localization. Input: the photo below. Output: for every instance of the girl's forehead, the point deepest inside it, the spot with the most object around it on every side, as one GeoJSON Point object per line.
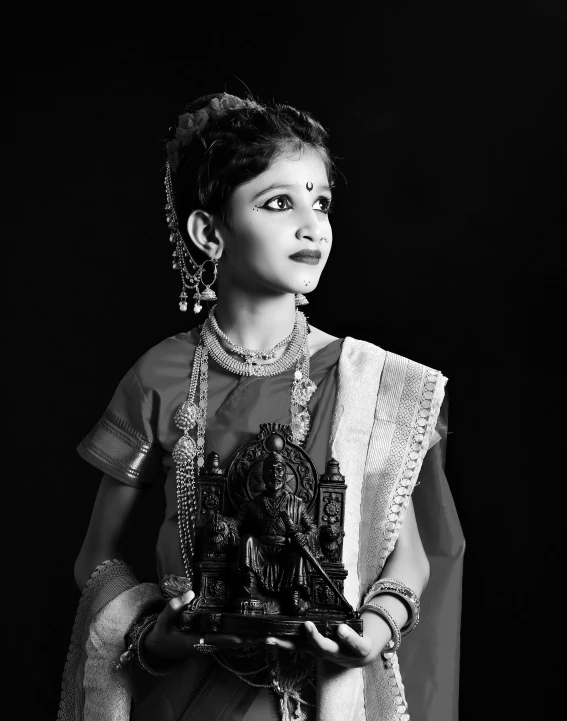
{"type": "Point", "coordinates": [290, 168]}
{"type": "Point", "coordinates": [297, 163]}
{"type": "Point", "coordinates": [290, 171]}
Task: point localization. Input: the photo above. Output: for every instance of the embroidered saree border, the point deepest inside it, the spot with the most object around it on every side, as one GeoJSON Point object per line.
{"type": "Point", "coordinates": [418, 409]}
{"type": "Point", "coordinates": [107, 581]}
{"type": "Point", "coordinates": [121, 450]}
{"type": "Point", "coordinates": [406, 413]}
{"type": "Point", "coordinates": [108, 689]}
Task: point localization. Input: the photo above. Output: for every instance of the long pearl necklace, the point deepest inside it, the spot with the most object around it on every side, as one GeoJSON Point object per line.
{"type": "Point", "coordinates": [189, 452]}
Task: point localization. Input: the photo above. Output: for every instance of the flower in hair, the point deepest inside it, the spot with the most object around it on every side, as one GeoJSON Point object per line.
{"type": "Point", "coordinates": [190, 124]}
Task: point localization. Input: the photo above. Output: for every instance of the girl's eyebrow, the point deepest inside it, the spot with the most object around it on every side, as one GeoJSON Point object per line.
{"type": "Point", "coordinates": [281, 186]}
{"type": "Point", "coordinates": [273, 186]}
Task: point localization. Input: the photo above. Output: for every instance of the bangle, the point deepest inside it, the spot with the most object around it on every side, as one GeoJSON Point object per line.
{"type": "Point", "coordinates": [393, 645]}
{"type": "Point", "coordinates": [134, 639]}
{"type": "Point", "coordinates": [404, 593]}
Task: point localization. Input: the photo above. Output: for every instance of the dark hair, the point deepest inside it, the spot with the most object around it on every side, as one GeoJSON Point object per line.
{"type": "Point", "coordinates": [236, 148]}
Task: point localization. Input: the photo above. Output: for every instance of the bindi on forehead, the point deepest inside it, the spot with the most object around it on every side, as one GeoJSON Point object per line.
{"type": "Point", "coordinates": [309, 186]}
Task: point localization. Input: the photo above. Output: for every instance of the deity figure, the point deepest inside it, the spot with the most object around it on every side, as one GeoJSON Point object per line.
{"type": "Point", "coordinates": [269, 531]}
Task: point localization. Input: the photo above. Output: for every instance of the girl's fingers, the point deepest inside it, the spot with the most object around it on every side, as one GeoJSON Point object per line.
{"type": "Point", "coordinates": [177, 603]}
{"type": "Point", "coordinates": [224, 640]}
{"type": "Point", "coordinates": [171, 611]}
{"type": "Point", "coordinates": [351, 642]}
{"type": "Point", "coordinates": [322, 645]}
{"type": "Point", "coordinates": [347, 650]}
{"type": "Point", "coordinates": [284, 643]}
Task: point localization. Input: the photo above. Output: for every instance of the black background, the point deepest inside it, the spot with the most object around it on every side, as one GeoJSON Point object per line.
{"type": "Point", "coordinates": [448, 249]}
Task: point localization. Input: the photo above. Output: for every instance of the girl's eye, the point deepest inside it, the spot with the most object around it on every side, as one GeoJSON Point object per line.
{"type": "Point", "coordinates": [326, 204]}
{"type": "Point", "coordinates": [281, 202]}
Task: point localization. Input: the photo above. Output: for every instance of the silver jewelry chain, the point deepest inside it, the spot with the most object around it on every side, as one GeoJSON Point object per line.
{"type": "Point", "coordinates": [249, 355]}
{"type": "Point", "coordinates": [247, 368]}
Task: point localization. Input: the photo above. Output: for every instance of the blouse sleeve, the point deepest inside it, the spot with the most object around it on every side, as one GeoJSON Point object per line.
{"type": "Point", "coordinates": [124, 441]}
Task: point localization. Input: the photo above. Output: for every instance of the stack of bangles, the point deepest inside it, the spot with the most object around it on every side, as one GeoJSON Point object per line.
{"type": "Point", "coordinates": [134, 639]}
{"type": "Point", "coordinates": [393, 587]}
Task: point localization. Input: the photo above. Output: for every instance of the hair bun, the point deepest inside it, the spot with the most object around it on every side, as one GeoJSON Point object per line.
{"type": "Point", "coordinates": [192, 122]}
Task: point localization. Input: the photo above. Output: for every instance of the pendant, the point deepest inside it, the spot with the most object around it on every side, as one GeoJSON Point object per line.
{"type": "Point", "coordinates": [302, 391]}
{"type": "Point", "coordinates": [300, 425]}
{"type": "Point", "coordinates": [186, 415]}
{"type": "Point", "coordinates": [251, 359]}
{"type": "Point", "coordinates": [184, 450]}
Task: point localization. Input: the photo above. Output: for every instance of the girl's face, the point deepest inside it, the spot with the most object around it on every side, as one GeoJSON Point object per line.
{"type": "Point", "coordinates": [278, 214]}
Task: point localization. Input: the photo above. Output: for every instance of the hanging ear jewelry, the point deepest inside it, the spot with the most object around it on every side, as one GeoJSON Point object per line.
{"type": "Point", "coordinates": [207, 293]}
{"type": "Point", "coordinates": [189, 281]}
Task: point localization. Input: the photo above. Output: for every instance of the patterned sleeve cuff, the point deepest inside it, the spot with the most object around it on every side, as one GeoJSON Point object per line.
{"type": "Point", "coordinates": [116, 448]}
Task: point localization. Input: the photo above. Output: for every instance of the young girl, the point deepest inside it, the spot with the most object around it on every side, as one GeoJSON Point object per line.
{"type": "Point", "coordinates": [249, 190]}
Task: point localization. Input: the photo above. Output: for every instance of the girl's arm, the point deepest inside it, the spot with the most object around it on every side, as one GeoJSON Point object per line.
{"type": "Point", "coordinates": [112, 509]}
{"type": "Point", "coordinates": [407, 563]}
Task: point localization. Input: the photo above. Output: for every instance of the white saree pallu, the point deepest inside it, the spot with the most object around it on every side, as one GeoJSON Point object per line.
{"type": "Point", "coordinates": [385, 415]}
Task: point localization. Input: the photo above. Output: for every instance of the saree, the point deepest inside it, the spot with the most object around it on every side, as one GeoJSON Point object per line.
{"type": "Point", "coordinates": [378, 415]}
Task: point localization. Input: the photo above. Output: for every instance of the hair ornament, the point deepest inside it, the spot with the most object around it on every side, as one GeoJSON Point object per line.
{"type": "Point", "coordinates": [191, 124]}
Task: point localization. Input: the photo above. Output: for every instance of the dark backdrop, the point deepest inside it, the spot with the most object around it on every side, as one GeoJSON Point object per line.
{"type": "Point", "coordinates": [448, 249]}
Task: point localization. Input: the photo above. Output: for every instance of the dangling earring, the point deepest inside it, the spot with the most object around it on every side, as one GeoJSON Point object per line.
{"type": "Point", "coordinates": [300, 299]}
{"type": "Point", "coordinates": [207, 293]}
{"type": "Point", "coordinates": [189, 280]}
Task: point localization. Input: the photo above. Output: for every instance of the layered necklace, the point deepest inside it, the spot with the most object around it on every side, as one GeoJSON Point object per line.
{"type": "Point", "coordinates": [191, 417]}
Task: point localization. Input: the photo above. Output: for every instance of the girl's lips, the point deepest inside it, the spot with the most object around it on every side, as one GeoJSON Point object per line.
{"type": "Point", "coordinates": [309, 259]}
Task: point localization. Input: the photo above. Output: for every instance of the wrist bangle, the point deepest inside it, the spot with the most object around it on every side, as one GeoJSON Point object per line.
{"type": "Point", "coordinates": [404, 593]}
{"type": "Point", "coordinates": [134, 639]}
{"type": "Point", "coordinates": [393, 645]}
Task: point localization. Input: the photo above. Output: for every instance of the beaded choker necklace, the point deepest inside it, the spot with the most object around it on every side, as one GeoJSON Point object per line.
{"type": "Point", "coordinates": [250, 356]}
{"type": "Point", "coordinates": [188, 451]}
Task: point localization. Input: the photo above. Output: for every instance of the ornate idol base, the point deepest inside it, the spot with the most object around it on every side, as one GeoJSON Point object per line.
{"type": "Point", "coordinates": [261, 625]}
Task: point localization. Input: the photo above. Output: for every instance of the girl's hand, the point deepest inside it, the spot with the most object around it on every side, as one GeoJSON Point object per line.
{"type": "Point", "coordinates": [166, 641]}
{"type": "Point", "coordinates": [348, 649]}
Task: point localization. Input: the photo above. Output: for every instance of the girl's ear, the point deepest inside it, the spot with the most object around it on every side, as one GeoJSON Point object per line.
{"type": "Point", "coordinates": [201, 229]}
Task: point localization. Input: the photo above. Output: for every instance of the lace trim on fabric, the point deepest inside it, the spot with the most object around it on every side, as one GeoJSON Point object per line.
{"type": "Point", "coordinates": [423, 425]}
{"type": "Point", "coordinates": [121, 447]}
{"type": "Point", "coordinates": [72, 694]}
{"type": "Point", "coordinates": [424, 420]}
{"type": "Point", "coordinates": [396, 686]}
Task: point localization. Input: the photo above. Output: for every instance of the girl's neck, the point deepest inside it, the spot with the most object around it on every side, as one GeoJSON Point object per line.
{"type": "Point", "coordinates": [256, 323]}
